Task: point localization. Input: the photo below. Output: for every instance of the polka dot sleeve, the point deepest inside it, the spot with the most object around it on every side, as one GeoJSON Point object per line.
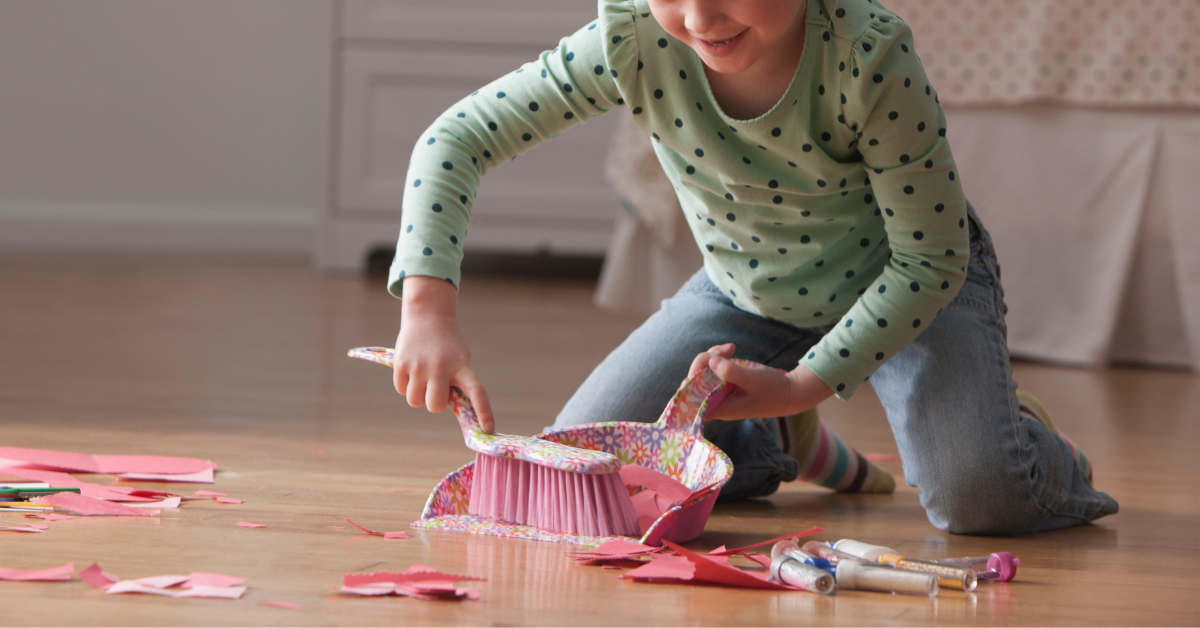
{"type": "Point", "coordinates": [888, 104]}
{"type": "Point", "coordinates": [581, 78]}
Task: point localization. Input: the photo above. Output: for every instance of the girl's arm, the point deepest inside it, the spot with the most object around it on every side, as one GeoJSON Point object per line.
{"type": "Point", "coordinates": [900, 130]}
{"type": "Point", "coordinates": [584, 76]}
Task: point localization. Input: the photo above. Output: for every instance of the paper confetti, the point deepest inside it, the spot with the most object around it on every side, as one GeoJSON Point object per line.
{"type": "Point", "coordinates": [90, 506]}
{"type": "Point", "coordinates": [247, 524]}
{"type": "Point", "coordinates": [277, 604]}
{"type": "Point", "coordinates": [209, 494]}
{"type": "Point", "coordinates": [198, 584]}
{"type": "Point", "coordinates": [54, 574]}
{"type": "Point", "coordinates": [227, 500]}
{"type": "Point", "coordinates": [386, 535]}
{"type": "Point", "coordinates": [94, 576]}
{"type": "Point", "coordinates": [417, 581]}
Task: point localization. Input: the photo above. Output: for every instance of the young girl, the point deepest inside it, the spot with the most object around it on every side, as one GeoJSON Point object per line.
{"type": "Point", "coordinates": [809, 153]}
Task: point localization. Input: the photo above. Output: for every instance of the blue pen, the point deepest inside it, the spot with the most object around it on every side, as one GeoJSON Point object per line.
{"type": "Point", "coordinates": [791, 549]}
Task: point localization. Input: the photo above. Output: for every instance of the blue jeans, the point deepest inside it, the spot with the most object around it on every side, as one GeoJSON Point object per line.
{"type": "Point", "coordinates": [950, 398]}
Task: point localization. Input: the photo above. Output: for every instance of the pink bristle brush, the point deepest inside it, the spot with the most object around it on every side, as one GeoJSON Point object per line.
{"type": "Point", "coordinates": [535, 482]}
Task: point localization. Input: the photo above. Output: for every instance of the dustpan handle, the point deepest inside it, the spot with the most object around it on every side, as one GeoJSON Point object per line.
{"type": "Point", "coordinates": [460, 404]}
{"type": "Point", "coordinates": [696, 397]}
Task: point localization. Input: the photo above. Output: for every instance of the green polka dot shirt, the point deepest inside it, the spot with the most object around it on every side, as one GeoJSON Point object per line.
{"type": "Point", "coordinates": [839, 207]}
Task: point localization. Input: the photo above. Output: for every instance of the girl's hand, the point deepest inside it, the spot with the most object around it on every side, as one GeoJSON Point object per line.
{"type": "Point", "coordinates": [431, 351]}
{"type": "Point", "coordinates": [760, 392]}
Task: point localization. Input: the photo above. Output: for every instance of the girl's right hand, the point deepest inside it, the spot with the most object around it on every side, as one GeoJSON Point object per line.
{"type": "Point", "coordinates": [431, 351]}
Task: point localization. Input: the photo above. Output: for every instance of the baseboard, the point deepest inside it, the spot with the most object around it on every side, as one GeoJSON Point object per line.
{"type": "Point", "coordinates": [281, 231]}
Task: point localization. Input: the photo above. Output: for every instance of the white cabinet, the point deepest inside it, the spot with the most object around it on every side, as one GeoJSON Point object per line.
{"type": "Point", "coordinates": [399, 64]}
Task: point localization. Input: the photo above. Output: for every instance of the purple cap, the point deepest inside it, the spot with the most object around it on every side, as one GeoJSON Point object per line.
{"type": "Point", "coordinates": [1004, 564]}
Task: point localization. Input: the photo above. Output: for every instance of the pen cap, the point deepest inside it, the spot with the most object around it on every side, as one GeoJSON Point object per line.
{"type": "Point", "coordinates": [783, 546]}
{"type": "Point", "coordinates": [1004, 564]}
{"type": "Point", "coordinates": [862, 550]}
{"type": "Point", "coordinates": [852, 575]}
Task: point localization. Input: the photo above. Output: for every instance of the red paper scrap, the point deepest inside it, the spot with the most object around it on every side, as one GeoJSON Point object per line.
{"type": "Point", "coordinates": [277, 604]}
{"type": "Point", "coordinates": [743, 550]}
{"type": "Point", "coordinates": [387, 535]}
{"type": "Point", "coordinates": [247, 524]}
{"type": "Point", "coordinates": [54, 574]}
{"type": "Point", "coordinates": [94, 576]}
{"type": "Point", "coordinates": [417, 581]}
{"type": "Point", "coordinates": [83, 463]}
{"type": "Point", "coordinates": [689, 566]}
{"type": "Point", "coordinates": [880, 457]}
{"type": "Point", "coordinates": [619, 552]}
{"type": "Point", "coordinates": [89, 506]}
{"type": "Point", "coordinates": [227, 500]}
{"type": "Point", "coordinates": [54, 517]}
{"type": "Point", "coordinates": [761, 559]}
{"type": "Point", "coordinates": [209, 494]}
{"type": "Point", "coordinates": [205, 579]}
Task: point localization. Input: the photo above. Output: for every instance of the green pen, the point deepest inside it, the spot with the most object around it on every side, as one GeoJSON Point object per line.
{"type": "Point", "coordinates": [34, 492]}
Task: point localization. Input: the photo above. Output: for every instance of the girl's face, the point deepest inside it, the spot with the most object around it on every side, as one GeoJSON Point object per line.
{"type": "Point", "coordinates": [732, 35]}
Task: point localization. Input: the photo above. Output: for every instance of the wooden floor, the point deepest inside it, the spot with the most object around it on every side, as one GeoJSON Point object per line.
{"type": "Point", "coordinates": [243, 362]}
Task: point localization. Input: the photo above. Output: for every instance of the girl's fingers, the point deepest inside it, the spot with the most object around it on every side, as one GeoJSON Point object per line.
{"type": "Point", "coordinates": [701, 360]}
{"type": "Point", "coordinates": [473, 389]}
{"type": "Point", "coordinates": [400, 378]}
{"type": "Point", "coordinates": [437, 392]}
{"type": "Point", "coordinates": [415, 391]}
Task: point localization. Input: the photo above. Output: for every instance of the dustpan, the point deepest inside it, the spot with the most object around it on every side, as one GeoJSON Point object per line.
{"type": "Point", "coordinates": [674, 446]}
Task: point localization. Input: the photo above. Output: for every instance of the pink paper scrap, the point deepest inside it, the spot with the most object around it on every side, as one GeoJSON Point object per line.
{"type": "Point", "coordinates": [205, 579]}
{"type": "Point", "coordinates": [227, 500]}
{"type": "Point", "coordinates": [203, 493]}
{"type": "Point", "coordinates": [199, 477]}
{"type": "Point", "coordinates": [20, 529]}
{"type": "Point", "coordinates": [133, 586]}
{"type": "Point", "coordinates": [417, 581]}
{"type": "Point", "coordinates": [247, 524]}
{"type": "Point", "coordinates": [83, 463]}
{"type": "Point", "coordinates": [743, 550]}
{"type": "Point", "coordinates": [387, 535]}
{"type": "Point", "coordinates": [35, 526]}
{"type": "Point", "coordinates": [277, 604]}
{"type": "Point", "coordinates": [24, 575]}
{"type": "Point", "coordinates": [51, 517]}
{"type": "Point", "coordinates": [98, 578]}
{"type": "Point", "coordinates": [89, 506]}
{"type": "Point", "coordinates": [88, 489]}
{"type": "Point", "coordinates": [881, 457]}
{"type": "Point", "coordinates": [170, 502]}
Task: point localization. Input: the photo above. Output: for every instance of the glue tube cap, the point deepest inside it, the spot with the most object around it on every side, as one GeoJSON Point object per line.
{"type": "Point", "coordinates": [1004, 564]}
{"type": "Point", "coordinates": [865, 551]}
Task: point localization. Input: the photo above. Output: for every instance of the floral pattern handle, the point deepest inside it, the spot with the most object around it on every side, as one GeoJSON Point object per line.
{"type": "Point", "coordinates": [537, 451]}
{"type": "Point", "coordinates": [696, 397]}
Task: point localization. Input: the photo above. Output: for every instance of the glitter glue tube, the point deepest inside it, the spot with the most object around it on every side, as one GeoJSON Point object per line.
{"type": "Point", "coordinates": [823, 550]}
{"type": "Point", "coordinates": [999, 566]}
{"type": "Point", "coordinates": [791, 549]}
{"type": "Point", "coordinates": [862, 550]}
{"type": "Point", "coordinates": [788, 571]}
{"type": "Point", "coordinates": [953, 577]}
{"type": "Point", "coordinates": [855, 575]}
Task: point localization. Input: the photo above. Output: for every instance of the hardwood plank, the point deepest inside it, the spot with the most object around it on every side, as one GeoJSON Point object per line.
{"type": "Point", "coordinates": [243, 361]}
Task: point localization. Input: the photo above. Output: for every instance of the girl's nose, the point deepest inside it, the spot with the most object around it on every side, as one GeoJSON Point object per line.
{"type": "Point", "coordinates": [701, 17]}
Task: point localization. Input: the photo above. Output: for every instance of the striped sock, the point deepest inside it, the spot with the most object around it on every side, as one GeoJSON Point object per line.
{"type": "Point", "coordinates": [1033, 409]}
{"type": "Point", "coordinates": [826, 460]}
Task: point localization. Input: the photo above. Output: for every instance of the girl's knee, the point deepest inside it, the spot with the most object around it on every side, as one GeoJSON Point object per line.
{"type": "Point", "coordinates": [980, 501]}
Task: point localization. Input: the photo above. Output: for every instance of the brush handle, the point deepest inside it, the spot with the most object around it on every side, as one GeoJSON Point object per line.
{"type": "Point", "coordinates": [696, 397]}
{"type": "Point", "coordinates": [540, 452]}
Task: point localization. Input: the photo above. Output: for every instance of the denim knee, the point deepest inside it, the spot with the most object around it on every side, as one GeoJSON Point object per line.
{"type": "Point", "coordinates": [980, 499]}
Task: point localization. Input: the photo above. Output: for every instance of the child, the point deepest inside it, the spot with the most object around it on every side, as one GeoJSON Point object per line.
{"type": "Point", "coordinates": [809, 153]}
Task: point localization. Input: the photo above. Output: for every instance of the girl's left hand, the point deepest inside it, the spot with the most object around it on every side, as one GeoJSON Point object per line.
{"type": "Point", "coordinates": [761, 392]}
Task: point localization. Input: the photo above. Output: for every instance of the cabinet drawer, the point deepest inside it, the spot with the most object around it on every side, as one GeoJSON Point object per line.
{"type": "Point", "coordinates": [390, 98]}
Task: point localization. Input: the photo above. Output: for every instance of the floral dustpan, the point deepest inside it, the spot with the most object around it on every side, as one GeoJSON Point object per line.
{"type": "Point", "coordinates": [673, 446]}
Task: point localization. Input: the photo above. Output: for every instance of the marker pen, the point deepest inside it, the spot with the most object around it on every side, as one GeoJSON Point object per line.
{"type": "Point", "coordinates": [855, 575]}
{"type": "Point", "coordinates": [791, 549]}
{"type": "Point", "coordinates": [823, 550]}
{"type": "Point", "coordinates": [955, 577]}
{"type": "Point", "coordinates": [787, 570]}
{"type": "Point", "coordinates": [998, 566]}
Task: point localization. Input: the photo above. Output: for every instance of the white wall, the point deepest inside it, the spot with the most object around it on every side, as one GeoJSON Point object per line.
{"type": "Point", "coordinates": [176, 125]}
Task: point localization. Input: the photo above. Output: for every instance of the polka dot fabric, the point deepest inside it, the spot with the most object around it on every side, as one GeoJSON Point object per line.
{"type": "Point", "coordinates": [1085, 52]}
{"type": "Point", "coordinates": [840, 205]}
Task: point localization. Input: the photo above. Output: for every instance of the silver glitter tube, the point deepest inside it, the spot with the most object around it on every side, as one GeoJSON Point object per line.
{"type": "Point", "coordinates": [789, 571]}
{"type": "Point", "coordinates": [852, 575]}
